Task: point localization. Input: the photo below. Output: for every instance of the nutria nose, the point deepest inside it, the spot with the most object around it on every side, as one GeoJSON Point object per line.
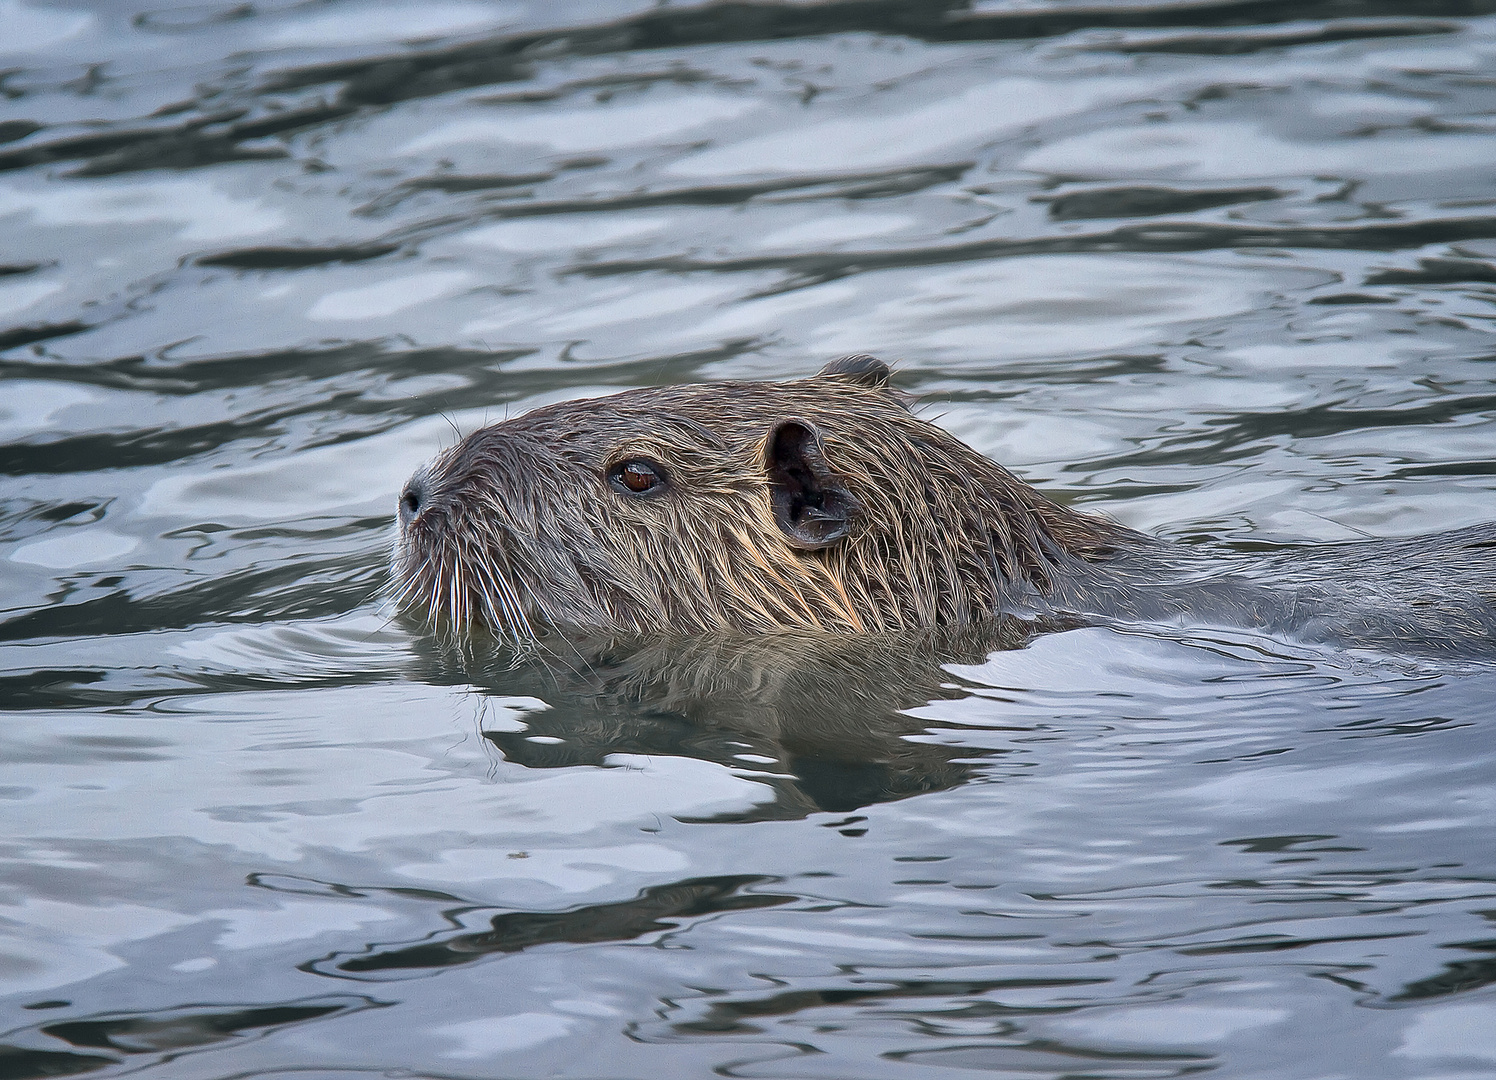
{"type": "Point", "coordinates": [412, 499]}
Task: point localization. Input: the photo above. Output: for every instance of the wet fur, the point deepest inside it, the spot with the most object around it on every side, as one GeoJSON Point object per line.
{"type": "Point", "coordinates": [519, 530]}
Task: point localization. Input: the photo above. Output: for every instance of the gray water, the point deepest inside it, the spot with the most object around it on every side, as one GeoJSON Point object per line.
{"type": "Point", "coordinates": [1223, 270]}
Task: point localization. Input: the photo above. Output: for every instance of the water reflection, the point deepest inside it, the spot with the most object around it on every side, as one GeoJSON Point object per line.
{"type": "Point", "coordinates": [657, 909]}
{"type": "Point", "coordinates": [142, 1039]}
{"type": "Point", "coordinates": [821, 719]}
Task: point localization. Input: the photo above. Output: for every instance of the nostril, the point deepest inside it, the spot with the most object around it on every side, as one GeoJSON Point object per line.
{"type": "Point", "coordinates": [410, 502]}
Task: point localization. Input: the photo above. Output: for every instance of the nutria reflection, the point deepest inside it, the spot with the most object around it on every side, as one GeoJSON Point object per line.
{"type": "Point", "coordinates": [825, 506]}
{"type": "Point", "coordinates": [819, 718]}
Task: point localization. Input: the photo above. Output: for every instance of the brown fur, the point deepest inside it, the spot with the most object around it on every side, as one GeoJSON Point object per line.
{"type": "Point", "coordinates": [825, 506]}
{"type": "Point", "coordinates": [519, 526]}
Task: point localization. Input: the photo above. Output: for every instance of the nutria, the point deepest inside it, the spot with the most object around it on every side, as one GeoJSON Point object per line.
{"type": "Point", "coordinates": [824, 505]}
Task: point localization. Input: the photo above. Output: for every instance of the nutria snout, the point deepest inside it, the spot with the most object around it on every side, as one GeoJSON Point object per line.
{"type": "Point", "coordinates": [826, 505]}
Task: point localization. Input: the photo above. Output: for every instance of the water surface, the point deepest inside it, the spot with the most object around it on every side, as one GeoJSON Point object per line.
{"type": "Point", "coordinates": [1223, 270]}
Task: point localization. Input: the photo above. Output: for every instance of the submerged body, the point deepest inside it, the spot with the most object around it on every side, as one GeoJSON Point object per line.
{"type": "Point", "coordinates": [825, 505]}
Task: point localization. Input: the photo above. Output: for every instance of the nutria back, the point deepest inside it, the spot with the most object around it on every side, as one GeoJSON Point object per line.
{"type": "Point", "coordinates": [826, 505]}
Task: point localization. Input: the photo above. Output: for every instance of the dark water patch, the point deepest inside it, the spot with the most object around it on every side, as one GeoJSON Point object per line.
{"type": "Point", "coordinates": [885, 183]}
{"type": "Point", "coordinates": [17, 269]}
{"type": "Point", "coordinates": [602, 87]}
{"type": "Point", "coordinates": [453, 184]}
{"type": "Point", "coordinates": [316, 588]}
{"type": "Point", "coordinates": [180, 1029]}
{"type": "Point", "coordinates": [298, 886]}
{"type": "Point", "coordinates": [1003, 384]}
{"type": "Point", "coordinates": [295, 258]}
{"type": "Point", "coordinates": [1275, 943]}
{"type": "Point", "coordinates": [73, 147]}
{"type": "Point", "coordinates": [308, 382]}
{"type": "Point", "coordinates": [840, 785]}
{"type": "Point", "coordinates": [1437, 271]}
{"type": "Point", "coordinates": [1349, 299]}
{"type": "Point", "coordinates": [142, 447]}
{"type": "Point", "coordinates": [284, 122]}
{"type": "Point", "coordinates": [14, 130]}
{"type": "Point", "coordinates": [1408, 727]}
{"type": "Point", "coordinates": [1148, 201]}
{"type": "Point", "coordinates": [209, 139]}
{"type": "Point", "coordinates": [1239, 43]}
{"type": "Point", "coordinates": [163, 1034]}
{"type": "Point", "coordinates": [1277, 845]}
{"type": "Point", "coordinates": [1482, 467]}
{"type": "Point", "coordinates": [1228, 438]}
{"type": "Point", "coordinates": [193, 17]}
{"type": "Point", "coordinates": [1458, 976]}
{"type": "Point", "coordinates": [189, 151]}
{"type": "Point", "coordinates": [20, 518]}
{"type": "Point", "coordinates": [19, 1063]}
{"type": "Point", "coordinates": [1353, 881]}
{"type": "Point", "coordinates": [54, 688]}
{"type": "Point", "coordinates": [65, 510]}
{"type": "Point", "coordinates": [161, 374]}
{"type": "Point", "coordinates": [423, 73]}
{"type": "Point", "coordinates": [654, 910]}
{"type": "Point", "coordinates": [817, 267]}
{"type": "Point", "coordinates": [1044, 1056]}
{"type": "Point", "coordinates": [47, 688]}
{"type": "Point", "coordinates": [159, 686]}
{"type": "Point", "coordinates": [962, 1001]}
{"type": "Point", "coordinates": [874, 186]}
{"type": "Point", "coordinates": [17, 336]}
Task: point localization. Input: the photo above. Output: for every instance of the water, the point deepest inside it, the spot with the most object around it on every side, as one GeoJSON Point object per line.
{"type": "Point", "coordinates": [1224, 270]}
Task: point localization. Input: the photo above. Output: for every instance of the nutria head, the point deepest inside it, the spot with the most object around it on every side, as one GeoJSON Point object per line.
{"type": "Point", "coordinates": [817, 505]}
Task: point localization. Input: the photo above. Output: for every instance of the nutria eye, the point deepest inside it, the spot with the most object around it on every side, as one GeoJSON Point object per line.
{"type": "Point", "coordinates": [636, 477]}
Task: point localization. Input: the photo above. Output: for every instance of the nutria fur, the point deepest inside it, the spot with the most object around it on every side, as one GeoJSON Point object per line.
{"type": "Point", "coordinates": [826, 505]}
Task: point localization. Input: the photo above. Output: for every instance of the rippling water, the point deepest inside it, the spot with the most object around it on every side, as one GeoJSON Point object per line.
{"type": "Point", "coordinates": [1223, 269]}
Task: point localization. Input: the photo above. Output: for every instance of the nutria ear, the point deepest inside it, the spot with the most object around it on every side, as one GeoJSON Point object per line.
{"type": "Point", "coordinates": [863, 369]}
{"type": "Point", "coordinates": [812, 505]}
